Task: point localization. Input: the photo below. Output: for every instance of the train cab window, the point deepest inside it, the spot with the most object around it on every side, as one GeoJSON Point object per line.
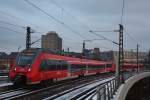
{"type": "Point", "coordinates": [25, 59]}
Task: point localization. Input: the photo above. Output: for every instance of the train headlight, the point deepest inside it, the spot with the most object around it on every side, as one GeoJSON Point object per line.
{"type": "Point", "coordinates": [14, 68]}
{"type": "Point", "coordinates": [29, 69]}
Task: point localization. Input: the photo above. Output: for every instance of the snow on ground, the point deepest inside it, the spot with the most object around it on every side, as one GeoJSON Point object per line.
{"type": "Point", "coordinates": [2, 96]}
{"type": "Point", "coordinates": [79, 91]}
{"type": "Point", "coordinates": [115, 97]}
{"type": "Point", "coordinates": [5, 84]}
{"type": "Point", "coordinates": [4, 81]}
{"type": "Point", "coordinates": [3, 76]}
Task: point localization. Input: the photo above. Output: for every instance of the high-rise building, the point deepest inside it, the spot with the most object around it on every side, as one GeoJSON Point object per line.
{"type": "Point", "coordinates": [96, 53]}
{"type": "Point", "coordinates": [51, 41]}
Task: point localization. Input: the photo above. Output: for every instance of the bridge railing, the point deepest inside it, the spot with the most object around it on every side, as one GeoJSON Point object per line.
{"type": "Point", "coordinates": [108, 89]}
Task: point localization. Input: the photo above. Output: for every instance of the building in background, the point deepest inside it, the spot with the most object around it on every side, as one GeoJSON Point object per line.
{"type": "Point", "coordinates": [129, 56]}
{"type": "Point", "coordinates": [92, 53]}
{"type": "Point", "coordinates": [7, 60]}
{"type": "Point", "coordinates": [107, 55]}
{"type": "Point", "coordinates": [51, 41]}
{"type": "Point", "coordinates": [96, 54]}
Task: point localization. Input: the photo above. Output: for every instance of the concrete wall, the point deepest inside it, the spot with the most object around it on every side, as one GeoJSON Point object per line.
{"type": "Point", "coordinates": [123, 89]}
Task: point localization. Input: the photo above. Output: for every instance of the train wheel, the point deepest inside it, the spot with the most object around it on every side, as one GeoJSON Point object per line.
{"type": "Point", "coordinates": [43, 83]}
{"type": "Point", "coordinates": [51, 81]}
{"type": "Point", "coordinates": [20, 81]}
{"type": "Point", "coordinates": [80, 76]}
{"type": "Point", "coordinates": [46, 83]}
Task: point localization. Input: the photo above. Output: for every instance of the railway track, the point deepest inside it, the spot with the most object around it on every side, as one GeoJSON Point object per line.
{"type": "Point", "coordinates": [6, 87]}
{"type": "Point", "coordinates": [56, 88]}
{"type": "Point", "coordinates": [9, 94]}
{"type": "Point", "coordinates": [79, 92]}
{"type": "Point", "coordinates": [9, 91]}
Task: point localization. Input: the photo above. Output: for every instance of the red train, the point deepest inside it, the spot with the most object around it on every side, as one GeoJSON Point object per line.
{"type": "Point", "coordinates": [38, 65]}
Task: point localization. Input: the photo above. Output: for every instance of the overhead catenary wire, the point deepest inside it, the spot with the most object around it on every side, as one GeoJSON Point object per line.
{"type": "Point", "coordinates": [58, 5]}
{"type": "Point", "coordinates": [10, 29]}
{"type": "Point", "coordinates": [134, 40]}
{"type": "Point", "coordinates": [52, 17]}
{"type": "Point", "coordinates": [63, 36]}
{"type": "Point", "coordinates": [122, 14]}
{"type": "Point", "coordinates": [121, 21]}
{"type": "Point", "coordinates": [131, 37]}
{"type": "Point", "coordinates": [54, 2]}
{"type": "Point", "coordinates": [122, 11]}
{"type": "Point", "coordinates": [17, 18]}
{"type": "Point", "coordinates": [104, 37]}
{"type": "Point", "coordinates": [36, 41]}
{"type": "Point", "coordinates": [11, 24]}
{"type": "Point", "coordinates": [86, 26]}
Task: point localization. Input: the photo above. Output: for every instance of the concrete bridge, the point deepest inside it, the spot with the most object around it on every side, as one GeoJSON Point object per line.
{"type": "Point", "coordinates": [136, 87]}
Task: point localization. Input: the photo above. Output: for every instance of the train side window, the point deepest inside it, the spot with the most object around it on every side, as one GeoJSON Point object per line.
{"type": "Point", "coordinates": [101, 67]}
{"type": "Point", "coordinates": [83, 67]}
{"type": "Point", "coordinates": [109, 65]}
{"type": "Point", "coordinates": [89, 67]}
{"type": "Point", "coordinates": [64, 65]}
{"type": "Point", "coordinates": [52, 65]}
{"type": "Point", "coordinates": [59, 64]}
{"type": "Point", "coordinates": [75, 67]}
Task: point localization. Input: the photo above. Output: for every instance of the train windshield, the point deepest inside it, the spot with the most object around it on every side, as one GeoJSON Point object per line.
{"type": "Point", "coordinates": [25, 59]}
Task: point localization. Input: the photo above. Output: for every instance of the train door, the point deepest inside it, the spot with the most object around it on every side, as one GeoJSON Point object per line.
{"type": "Point", "coordinates": [43, 69]}
{"type": "Point", "coordinates": [69, 70]}
{"type": "Point", "coordinates": [57, 65]}
{"type": "Point", "coordinates": [86, 69]}
{"type": "Point", "coordinates": [105, 66]}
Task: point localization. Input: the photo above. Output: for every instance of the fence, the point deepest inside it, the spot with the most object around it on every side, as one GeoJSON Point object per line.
{"type": "Point", "coordinates": [108, 89]}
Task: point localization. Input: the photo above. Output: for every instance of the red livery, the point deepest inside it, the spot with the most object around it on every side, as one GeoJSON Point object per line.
{"type": "Point", "coordinates": [38, 65]}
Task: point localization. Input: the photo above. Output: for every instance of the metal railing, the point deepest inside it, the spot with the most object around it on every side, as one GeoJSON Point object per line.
{"type": "Point", "coordinates": [108, 89]}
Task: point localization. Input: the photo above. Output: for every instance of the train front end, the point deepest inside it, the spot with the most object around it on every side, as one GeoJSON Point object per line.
{"type": "Point", "coordinates": [21, 72]}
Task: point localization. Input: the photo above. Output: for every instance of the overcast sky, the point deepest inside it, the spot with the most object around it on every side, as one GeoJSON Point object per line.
{"type": "Point", "coordinates": [98, 15]}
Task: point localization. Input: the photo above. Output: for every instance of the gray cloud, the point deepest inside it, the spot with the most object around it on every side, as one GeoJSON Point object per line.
{"type": "Point", "coordinates": [97, 14]}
